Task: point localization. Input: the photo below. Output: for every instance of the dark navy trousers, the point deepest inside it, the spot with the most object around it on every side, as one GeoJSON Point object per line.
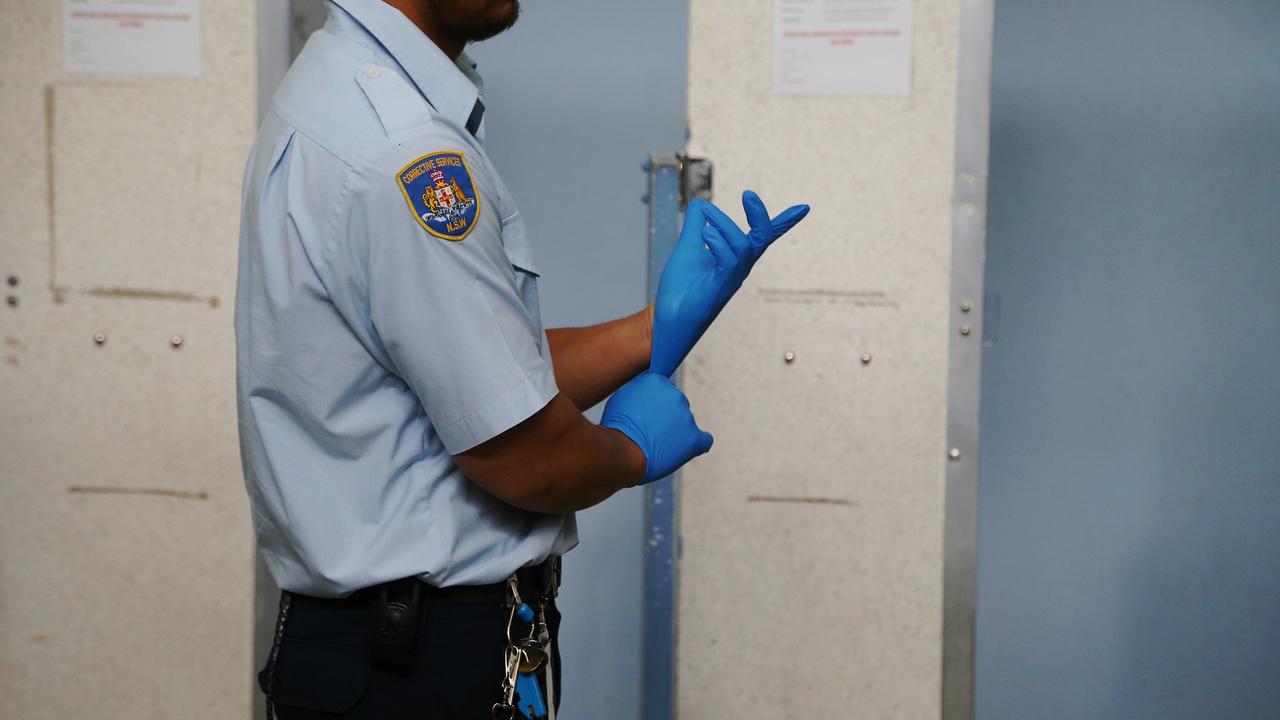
{"type": "Point", "coordinates": [322, 668]}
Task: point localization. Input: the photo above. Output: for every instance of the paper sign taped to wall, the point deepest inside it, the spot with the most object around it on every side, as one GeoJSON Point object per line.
{"type": "Point", "coordinates": [842, 47]}
{"type": "Point", "coordinates": [116, 37]}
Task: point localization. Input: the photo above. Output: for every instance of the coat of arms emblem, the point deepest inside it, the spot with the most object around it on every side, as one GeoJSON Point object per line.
{"type": "Point", "coordinates": [439, 189]}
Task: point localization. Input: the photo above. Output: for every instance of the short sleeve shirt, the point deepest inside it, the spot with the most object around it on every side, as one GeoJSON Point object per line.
{"type": "Point", "coordinates": [386, 320]}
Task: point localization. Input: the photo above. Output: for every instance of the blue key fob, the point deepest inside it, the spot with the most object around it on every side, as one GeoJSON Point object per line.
{"type": "Point", "coordinates": [524, 612]}
{"type": "Point", "coordinates": [530, 701]}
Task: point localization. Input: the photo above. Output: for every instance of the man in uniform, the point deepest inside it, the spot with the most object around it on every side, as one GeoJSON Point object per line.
{"type": "Point", "coordinates": [413, 440]}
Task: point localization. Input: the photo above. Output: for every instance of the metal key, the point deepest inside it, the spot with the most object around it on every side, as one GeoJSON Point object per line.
{"type": "Point", "coordinates": [515, 657]}
{"type": "Point", "coordinates": [506, 710]}
{"type": "Point", "coordinates": [512, 656]}
{"type": "Point", "coordinates": [540, 629]}
{"type": "Point", "coordinates": [544, 639]}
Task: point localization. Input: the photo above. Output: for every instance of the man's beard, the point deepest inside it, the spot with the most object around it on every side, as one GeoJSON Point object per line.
{"type": "Point", "coordinates": [458, 20]}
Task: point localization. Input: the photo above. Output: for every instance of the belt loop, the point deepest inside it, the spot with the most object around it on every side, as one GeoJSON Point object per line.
{"type": "Point", "coordinates": [550, 579]}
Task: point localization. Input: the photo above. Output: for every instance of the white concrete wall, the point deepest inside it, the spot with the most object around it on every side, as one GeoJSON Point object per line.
{"type": "Point", "coordinates": [811, 574]}
{"type": "Point", "coordinates": [125, 547]}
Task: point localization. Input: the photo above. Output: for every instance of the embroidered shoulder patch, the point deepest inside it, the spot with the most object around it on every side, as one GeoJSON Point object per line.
{"type": "Point", "coordinates": [441, 195]}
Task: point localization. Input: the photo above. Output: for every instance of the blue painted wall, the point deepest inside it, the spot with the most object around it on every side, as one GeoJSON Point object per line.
{"type": "Point", "coordinates": [1130, 502]}
{"type": "Point", "coordinates": [579, 93]}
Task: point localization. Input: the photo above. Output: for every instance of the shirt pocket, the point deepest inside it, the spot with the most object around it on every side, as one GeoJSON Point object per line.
{"type": "Point", "coordinates": [515, 240]}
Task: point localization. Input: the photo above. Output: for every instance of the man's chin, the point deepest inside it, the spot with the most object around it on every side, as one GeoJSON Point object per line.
{"type": "Point", "coordinates": [505, 15]}
{"type": "Point", "coordinates": [492, 30]}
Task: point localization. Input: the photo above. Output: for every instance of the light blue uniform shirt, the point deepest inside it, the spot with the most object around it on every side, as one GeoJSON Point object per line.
{"type": "Point", "coordinates": [386, 319]}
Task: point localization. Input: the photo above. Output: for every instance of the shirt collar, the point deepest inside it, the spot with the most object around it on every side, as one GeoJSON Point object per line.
{"type": "Point", "coordinates": [451, 87]}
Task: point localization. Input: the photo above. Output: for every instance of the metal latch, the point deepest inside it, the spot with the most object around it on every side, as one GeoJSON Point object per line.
{"type": "Point", "coordinates": [695, 179]}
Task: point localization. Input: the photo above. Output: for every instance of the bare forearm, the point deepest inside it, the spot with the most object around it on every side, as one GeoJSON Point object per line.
{"type": "Point", "coordinates": [556, 461]}
{"type": "Point", "coordinates": [586, 468]}
{"type": "Point", "coordinates": [591, 362]}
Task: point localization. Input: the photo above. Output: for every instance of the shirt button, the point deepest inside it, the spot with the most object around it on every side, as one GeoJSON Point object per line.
{"type": "Point", "coordinates": [373, 72]}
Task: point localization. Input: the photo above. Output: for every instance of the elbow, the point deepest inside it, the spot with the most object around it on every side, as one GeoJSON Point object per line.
{"type": "Point", "coordinates": [529, 490]}
{"type": "Point", "coordinates": [533, 492]}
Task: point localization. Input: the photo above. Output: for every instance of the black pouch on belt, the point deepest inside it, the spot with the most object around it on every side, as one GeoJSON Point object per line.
{"type": "Point", "coordinates": [399, 611]}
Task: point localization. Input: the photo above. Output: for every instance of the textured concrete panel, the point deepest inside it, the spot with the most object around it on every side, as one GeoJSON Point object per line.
{"type": "Point", "coordinates": [125, 547]}
{"type": "Point", "coordinates": [811, 574]}
{"type": "Point", "coordinates": [139, 202]}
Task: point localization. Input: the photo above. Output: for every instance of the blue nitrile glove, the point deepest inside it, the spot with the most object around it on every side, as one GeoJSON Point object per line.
{"type": "Point", "coordinates": [653, 412]}
{"type": "Point", "coordinates": [707, 266]}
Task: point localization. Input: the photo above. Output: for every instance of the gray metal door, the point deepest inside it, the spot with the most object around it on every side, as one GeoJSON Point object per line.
{"type": "Point", "coordinates": [1130, 492]}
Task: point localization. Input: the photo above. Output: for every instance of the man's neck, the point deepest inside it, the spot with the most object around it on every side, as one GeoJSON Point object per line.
{"type": "Point", "coordinates": [417, 12]}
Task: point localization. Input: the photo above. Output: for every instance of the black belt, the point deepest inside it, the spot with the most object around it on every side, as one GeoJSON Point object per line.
{"type": "Point", "coordinates": [397, 609]}
{"type": "Point", "coordinates": [535, 582]}
{"type": "Point", "coordinates": [540, 581]}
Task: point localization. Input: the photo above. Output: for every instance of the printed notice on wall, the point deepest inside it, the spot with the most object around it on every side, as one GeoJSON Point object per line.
{"type": "Point", "coordinates": [842, 47]}
{"type": "Point", "coordinates": [139, 37]}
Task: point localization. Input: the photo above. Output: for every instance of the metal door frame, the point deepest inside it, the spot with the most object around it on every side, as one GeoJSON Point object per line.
{"type": "Point", "coordinates": [968, 263]}
{"type": "Point", "coordinates": [661, 509]}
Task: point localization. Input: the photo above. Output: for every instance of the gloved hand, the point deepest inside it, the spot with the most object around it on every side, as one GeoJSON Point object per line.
{"type": "Point", "coordinates": [707, 266]}
{"type": "Point", "coordinates": [655, 415]}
